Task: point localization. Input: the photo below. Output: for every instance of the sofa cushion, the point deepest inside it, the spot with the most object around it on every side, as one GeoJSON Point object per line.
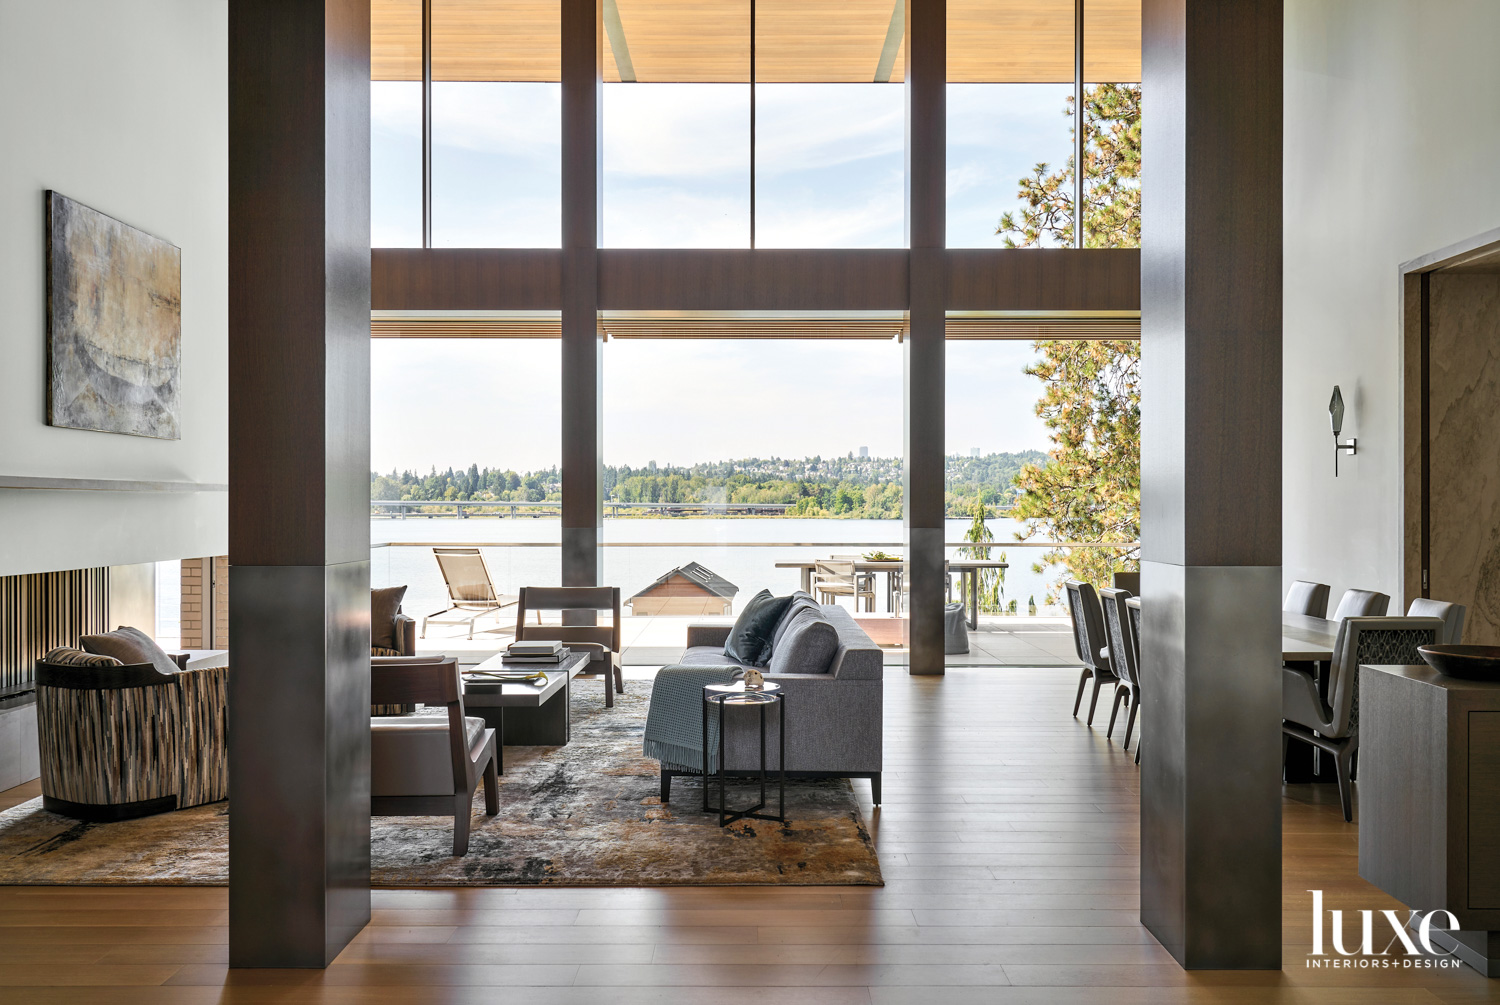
{"type": "Point", "coordinates": [800, 602]}
{"type": "Point", "coordinates": [67, 656]}
{"type": "Point", "coordinates": [749, 640]}
{"type": "Point", "coordinates": [385, 604]}
{"type": "Point", "coordinates": [706, 656]}
{"type": "Point", "coordinates": [807, 646]}
{"type": "Point", "coordinates": [130, 645]}
{"type": "Point", "coordinates": [411, 756]}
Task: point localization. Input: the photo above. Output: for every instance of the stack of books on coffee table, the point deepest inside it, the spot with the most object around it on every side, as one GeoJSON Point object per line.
{"type": "Point", "coordinates": [538, 655]}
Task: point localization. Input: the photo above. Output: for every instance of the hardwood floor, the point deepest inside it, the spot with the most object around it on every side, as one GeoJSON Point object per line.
{"type": "Point", "coordinates": [1009, 843]}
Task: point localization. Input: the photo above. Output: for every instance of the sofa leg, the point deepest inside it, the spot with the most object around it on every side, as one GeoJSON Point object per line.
{"type": "Point", "coordinates": [875, 788]}
{"type": "Point", "coordinates": [666, 785]}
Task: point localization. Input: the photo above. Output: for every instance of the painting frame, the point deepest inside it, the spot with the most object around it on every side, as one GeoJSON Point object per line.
{"type": "Point", "coordinates": [114, 324]}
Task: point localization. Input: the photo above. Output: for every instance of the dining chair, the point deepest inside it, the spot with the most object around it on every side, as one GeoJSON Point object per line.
{"type": "Point", "coordinates": [832, 580]}
{"type": "Point", "coordinates": [1452, 615]}
{"type": "Point", "coordinates": [1088, 641]}
{"type": "Point", "coordinates": [1123, 655]}
{"type": "Point", "coordinates": [865, 579]}
{"type": "Point", "coordinates": [602, 642]}
{"type": "Point", "coordinates": [1332, 724]}
{"type": "Point", "coordinates": [1133, 608]}
{"type": "Point", "coordinates": [1307, 598]}
{"type": "Point", "coordinates": [1362, 604]}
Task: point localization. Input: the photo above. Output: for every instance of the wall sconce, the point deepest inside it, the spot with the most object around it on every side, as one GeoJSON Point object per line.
{"type": "Point", "coordinates": [1336, 419]}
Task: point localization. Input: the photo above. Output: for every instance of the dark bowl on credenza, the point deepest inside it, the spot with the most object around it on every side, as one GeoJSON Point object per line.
{"type": "Point", "coordinates": [1468, 662]}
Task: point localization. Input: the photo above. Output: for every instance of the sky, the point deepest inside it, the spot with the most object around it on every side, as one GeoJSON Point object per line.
{"type": "Point", "coordinates": [676, 158]}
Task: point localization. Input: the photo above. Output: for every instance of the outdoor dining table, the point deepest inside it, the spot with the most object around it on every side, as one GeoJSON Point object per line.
{"type": "Point", "coordinates": [968, 570]}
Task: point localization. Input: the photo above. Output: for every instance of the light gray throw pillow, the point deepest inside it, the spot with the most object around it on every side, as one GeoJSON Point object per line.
{"type": "Point", "coordinates": [807, 646]}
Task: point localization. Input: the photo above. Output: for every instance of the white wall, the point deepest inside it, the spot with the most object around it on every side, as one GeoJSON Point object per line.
{"type": "Point", "coordinates": [1392, 138]}
{"type": "Point", "coordinates": [120, 104]}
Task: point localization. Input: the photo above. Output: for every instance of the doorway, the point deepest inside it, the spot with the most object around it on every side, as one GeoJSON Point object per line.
{"type": "Point", "coordinates": [1451, 315]}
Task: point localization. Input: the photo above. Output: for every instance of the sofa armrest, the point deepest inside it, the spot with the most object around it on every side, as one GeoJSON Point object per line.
{"type": "Point", "coordinates": [708, 635]}
{"type": "Point", "coordinates": [406, 635]}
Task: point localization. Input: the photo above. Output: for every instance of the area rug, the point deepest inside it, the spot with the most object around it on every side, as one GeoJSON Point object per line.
{"type": "Point", "coordinates": [585, 814]}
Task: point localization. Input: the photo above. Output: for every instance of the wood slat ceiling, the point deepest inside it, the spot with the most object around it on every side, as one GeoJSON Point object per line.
{"type": "Point", "coordinates": [797, 41]}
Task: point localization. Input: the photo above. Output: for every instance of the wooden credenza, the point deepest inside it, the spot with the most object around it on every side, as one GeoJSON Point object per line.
{"type": "Point", "coordinates": [1429, 798]}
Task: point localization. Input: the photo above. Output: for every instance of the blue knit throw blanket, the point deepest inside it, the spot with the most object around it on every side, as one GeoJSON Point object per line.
{"type": "Point", "coordinates": [674, 723]}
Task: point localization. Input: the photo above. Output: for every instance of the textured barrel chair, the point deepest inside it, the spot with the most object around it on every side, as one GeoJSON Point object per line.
{"type": "Point", "coordinates": [126, 740]}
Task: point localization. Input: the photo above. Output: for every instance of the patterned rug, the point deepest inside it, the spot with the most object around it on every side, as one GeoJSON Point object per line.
{"type": "Point", "coordinates": [587, 814]}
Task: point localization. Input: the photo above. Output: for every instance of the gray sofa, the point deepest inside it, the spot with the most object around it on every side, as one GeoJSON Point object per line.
{"type": "Point", "coordinates": [834, 712]}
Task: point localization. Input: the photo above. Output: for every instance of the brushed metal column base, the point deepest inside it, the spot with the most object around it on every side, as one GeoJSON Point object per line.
{"type": "Point", "coordinates": [925, 559]}
{"type": "Point", "coordinates": [1211, 764]}
{"type": "Point", "coordinates": [299, 762]}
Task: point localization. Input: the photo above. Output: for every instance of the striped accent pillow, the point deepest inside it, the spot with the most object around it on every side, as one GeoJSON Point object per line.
{"type": "Point", "coordinates": [69, 657]}
{"type": "Point", "coordinates": [382, 651]}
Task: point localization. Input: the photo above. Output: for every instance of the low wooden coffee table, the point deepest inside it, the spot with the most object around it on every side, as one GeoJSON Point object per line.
{"type": "Point", "coordinates": [528, 715]}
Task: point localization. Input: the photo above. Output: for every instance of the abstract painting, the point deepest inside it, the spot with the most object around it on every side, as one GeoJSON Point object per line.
{"type": "Point", "coordinates": [114, 324]}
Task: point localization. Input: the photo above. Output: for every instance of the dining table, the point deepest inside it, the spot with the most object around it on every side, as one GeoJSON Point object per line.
{"type": "Point", "coordinates": [968, 570]}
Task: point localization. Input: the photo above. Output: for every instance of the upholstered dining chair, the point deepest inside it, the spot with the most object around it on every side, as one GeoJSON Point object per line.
{"type": "Point", "coordinates": [601, 641]}
{"type": "Point", "coordinates": [1307, 598]}
{"type": "Point", "coordinates": [1452, 615]}
{"type": "Point", "coordinates": [426, 765]}
{"type": "Point", "coordinates": [1133, 609]}
{"type": "Point", "coordinates": [1362, 604]}
{"type": "Point", "coordinates": [1088, 641]}
{"type": "Point", "coordinates": [1332, 725]}
{"type": "Point", "coordinates": [1123, 656]}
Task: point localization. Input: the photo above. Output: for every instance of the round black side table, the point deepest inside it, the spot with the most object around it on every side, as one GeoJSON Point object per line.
{"type": "Point", "coordinates": [736, 694]}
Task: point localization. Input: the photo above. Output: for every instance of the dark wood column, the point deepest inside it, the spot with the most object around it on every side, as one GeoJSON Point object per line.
{"type": "Point", "coordinates": [926, 217]}
{"type": "Point", "coordinates": [1211, 482]}
{"type": "Point", "coordinates": [582, 363]}
{"type": "Point", "coordinates": [299, 455]}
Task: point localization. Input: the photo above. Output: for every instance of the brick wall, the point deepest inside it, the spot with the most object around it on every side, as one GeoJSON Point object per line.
{"type": "Point", "coordinates": [196, 593]}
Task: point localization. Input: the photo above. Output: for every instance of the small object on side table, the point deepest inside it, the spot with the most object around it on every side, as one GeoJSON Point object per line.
{"type": "Point", "coordinates": [754, 680]}
{"type": "Point", "coordinates": [769, 693]}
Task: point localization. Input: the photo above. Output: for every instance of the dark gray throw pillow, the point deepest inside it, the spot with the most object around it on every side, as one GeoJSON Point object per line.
{"type": "Point", "coordinates": [130, 646]}
{"type": "Point", "coordinates": [807, 646]}
{"type": "Point", "coordinates": [385, 604]}
{"type": "Point", "coordinates": [749, 640]}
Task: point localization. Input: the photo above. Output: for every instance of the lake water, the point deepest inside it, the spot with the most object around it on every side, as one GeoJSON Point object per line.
{"type": "Point", "coordinates": [638, 551]}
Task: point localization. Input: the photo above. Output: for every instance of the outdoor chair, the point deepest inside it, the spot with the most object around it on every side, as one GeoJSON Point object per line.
{"type": "Point", "coordinates": [471, 589]}
{"type": "Point", "coordinates": [1123, 657]}
{"type": "Point", "coordinates": [1089, 642]}
{"type": "Point", "coordinates": [425, 765]}
{"type": "Point", "coordinates": [832, 580]}
{"type": "Point", "coordinates": [602, 641]}
{"type": "Point", "coordinates": [1332, 725]}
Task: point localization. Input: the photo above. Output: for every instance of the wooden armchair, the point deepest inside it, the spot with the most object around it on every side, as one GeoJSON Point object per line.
{"type": "Point", "coordinates": [425, 765]}
{"type": "Point", "coordinates": [602, 641]}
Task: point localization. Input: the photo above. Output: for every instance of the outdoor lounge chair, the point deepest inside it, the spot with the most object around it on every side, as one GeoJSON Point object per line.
{"type": "Point", "coordinates": [471, 591]}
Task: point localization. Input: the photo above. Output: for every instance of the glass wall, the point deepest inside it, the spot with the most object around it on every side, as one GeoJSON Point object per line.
{"type": "Point", "coordinates": [496, 125]}
{"type": "Point", "coordinates": [1112, 119]}
{"type": "Point", "coordinates": [1010, 145]}
{"type": "Point", "coordinates": [830, 124]}
{"type": "Point", "coordinates": [465, 450]}
{"type": "Point", "coordinates": [748, 456]}
{"type": "Point", "coordinates": [396, 123]}
{"type": "Point", "coordinates": [676, 122]}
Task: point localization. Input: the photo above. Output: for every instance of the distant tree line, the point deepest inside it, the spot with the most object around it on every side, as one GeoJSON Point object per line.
{"type": "Point", "coordinates": [867, 488]}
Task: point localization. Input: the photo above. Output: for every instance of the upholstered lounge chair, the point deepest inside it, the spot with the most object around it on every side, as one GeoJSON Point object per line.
{"type": "Point", "coordinates": [126, 740]}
